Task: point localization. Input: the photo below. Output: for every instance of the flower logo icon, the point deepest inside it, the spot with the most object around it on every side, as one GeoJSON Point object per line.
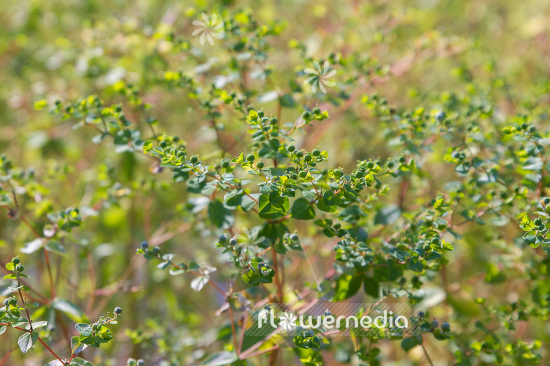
{"type": "Point", "coordinates": [319, 76]}
{"type": "Point", "coordinates": [208, 29]}
{"type": "Point", "coordinates": [287, 321]}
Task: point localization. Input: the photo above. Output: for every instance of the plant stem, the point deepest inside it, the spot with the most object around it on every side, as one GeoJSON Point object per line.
{"type": "Point", "coordinates": [277, 279]}
{"type": "Point", "coordinates": [41, 341]}
{"type": "Point", "coordinates": [427, 356]}
{"type": "Point", "coordinates": [23, 301]}
{"type": "Point", "coordinates": [233, 331]}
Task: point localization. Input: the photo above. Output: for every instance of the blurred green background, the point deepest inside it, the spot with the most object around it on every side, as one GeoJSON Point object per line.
{"type": "Point", "coordinates": [65, 49]}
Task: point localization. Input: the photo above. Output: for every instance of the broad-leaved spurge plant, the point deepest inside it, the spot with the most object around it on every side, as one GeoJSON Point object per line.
{"type": "Point", "coordinates": [240, 168]}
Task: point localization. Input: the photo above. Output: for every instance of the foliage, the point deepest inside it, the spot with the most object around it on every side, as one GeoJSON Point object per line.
{"type": "Point", "coordinates": [186, 180]}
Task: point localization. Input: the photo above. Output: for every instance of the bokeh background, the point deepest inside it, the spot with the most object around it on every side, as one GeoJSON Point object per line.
{"type": "Point", "coordinates": [65, 49]}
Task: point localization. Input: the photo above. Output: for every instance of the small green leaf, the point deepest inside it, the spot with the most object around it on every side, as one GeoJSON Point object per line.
{"type": "Point", "coordinates": [371, 286]}
{"type": "Point", "coordinates": [199, 282]}
{"type": "Point", "coordinates": [84, 329]}
{"type": "Point", "coordinates": [77, 346]}
{"type": "Point", "coordinates": [387, 215]}
{"type": "Point", "coordinates": [40, 104]}
{"type": "Point", "coordinates": [32, 246]}
{"type": "Point", "coordinates": [69, 309]}
{"type": "Point", "coordinates": [302, 209]}
{"type": "Point", "coordinates": [347, 286]}
{"type": "Point", "coordinates": [219, 215]}
{"type": "Point", "coordinates": [220, 359]}
{"type": "Point", "coordinates": [26, 341]}
{"type": "Point", "coordinates": [80, 362]}
{"type": "Point", "coordinates": [409, 343]}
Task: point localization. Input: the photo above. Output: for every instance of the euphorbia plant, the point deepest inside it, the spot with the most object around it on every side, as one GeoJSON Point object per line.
{"type": "Point", "coordinates": [272, 213]}
{"type": "Point", "coordinates": [18, 317]}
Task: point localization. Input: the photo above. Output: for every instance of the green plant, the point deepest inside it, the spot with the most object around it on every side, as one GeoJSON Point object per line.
{"type": "Point", "coordinates": [273, 210]}
{"type": "Point", "coordinates": [11, 316]}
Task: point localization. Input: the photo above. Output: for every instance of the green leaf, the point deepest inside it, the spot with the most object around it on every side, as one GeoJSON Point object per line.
{"type": "Point", "coordinates": [347, 286]}
{"type": "Point", "coordinates": [75, 362]}
{"type": "Point", "coordinates": [77, 346]}
{"type": "Point", "coordinates": [147, 146]}
{"type": "Point", "coordinates": [69, 309]}
{"type": "Point", "coordinates": [253, 115]}
{"type": "Point", "coordinates": [247, 203]}
{"type": "Point", "coordinates": [464, 305]}
{"type": "Point", "coordinates": [287, 101]}
{"type": "Point", "coordinates": [302, 209]}
{"type": "Point", "coordinates": [198, 283]}
{"type": "Point", "coordinates": [533, 164]}
{"type": "Point", "coordinates": [80, 362]}
{"type": "Point", "coordinates": [220, 359]}
{"type": "Point", "coordinates": [32, 246]}
{"type": "Point", "coordinates": [55, 246]}
{"type": "Point", "coordinates": [273, 205]}
{"type": "Point", "coordinates": [36, 325]}
{"type": "Point", "coordinates": [494, 274]}
{"type": "Point", "coordinates": [219, 215]}
{"type": "Point", "coordinates": [371, 286]}
{"type": "Point", "coordinates": [268, 96]}
{"type": "Point", "coordinates": [84, 329]}
{"type": "Point", "coordinates": [409, 343]}
{"type": "Point", "coordinates": [40, 104]}
{"type": "Point", "coordinates": [26, 341]}
{"type": "Point", "coordinates": [387, 215]}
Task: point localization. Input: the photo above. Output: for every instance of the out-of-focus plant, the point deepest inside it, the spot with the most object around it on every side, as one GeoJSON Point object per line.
{"type": "Point", "coordinates": [276, 217]}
